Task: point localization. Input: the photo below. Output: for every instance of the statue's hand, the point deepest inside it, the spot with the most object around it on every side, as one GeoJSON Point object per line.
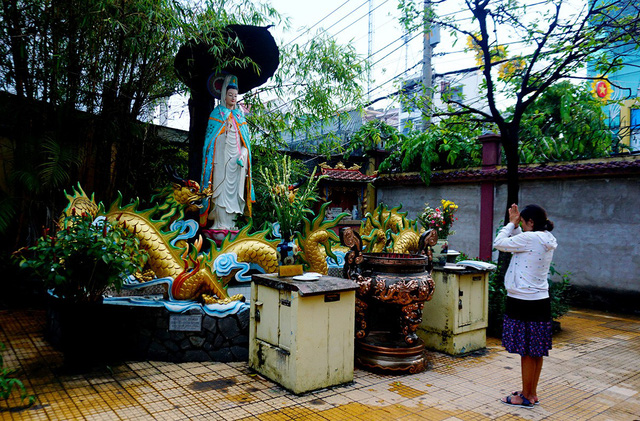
{"type": "Point", "coordinates": [207, 192]}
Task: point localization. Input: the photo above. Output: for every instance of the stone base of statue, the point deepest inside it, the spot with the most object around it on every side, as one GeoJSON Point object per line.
{"type": "Point", "coordinates": [145, 330]}
{"type": "Point", "coordinates": [218, 235]}
{"type": "Point", "coordinates": [380, 352]}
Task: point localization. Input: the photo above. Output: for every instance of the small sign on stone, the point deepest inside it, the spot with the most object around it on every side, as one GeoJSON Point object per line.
{"type": "Point", "coordinates": [185, 322]}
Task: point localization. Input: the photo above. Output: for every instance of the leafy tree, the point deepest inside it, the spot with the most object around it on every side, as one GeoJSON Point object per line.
{"type": "Point", "coordinates": [83, 74]}
{"type": "Point", "coordinates": [565, 123]}
{"type": "Point", "coordinates": [315, 81]}
{"type": "Point", "coordinates": [449, 143]}
{"type": "Point", "coordinates": [558, 42]}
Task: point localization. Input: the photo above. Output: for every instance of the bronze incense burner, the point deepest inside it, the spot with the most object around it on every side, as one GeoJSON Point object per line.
{"type": "Point", "coordinates": [392, 290]}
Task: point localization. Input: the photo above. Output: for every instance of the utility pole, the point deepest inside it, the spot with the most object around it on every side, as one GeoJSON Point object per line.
{"type": "Point", "coordinates": [426, 67]}
{"type": "Point", "coordinates": [370, 49]}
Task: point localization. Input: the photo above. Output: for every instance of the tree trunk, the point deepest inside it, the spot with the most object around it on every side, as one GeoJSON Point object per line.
{"type": "Point", "coordinates": [200, 105]}
{"type": "Point", "coordinates": [18, 49]}
{"type": "Point", "coordinates": [510, 145]}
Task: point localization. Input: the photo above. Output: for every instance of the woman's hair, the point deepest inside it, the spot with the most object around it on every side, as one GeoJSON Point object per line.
{"type": "Point", "coordinates": [539, 217]}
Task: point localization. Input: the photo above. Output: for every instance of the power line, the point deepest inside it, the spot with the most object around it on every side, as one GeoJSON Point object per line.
{"type": "Point", "coordinates": [360, 18]}
{"type": "Point", "coordinates": [379, 86]}
{"type": "Point", "coordinates": [340, 20]}
{"type": "Point", "coordinates": [318, 22]}
{"type": "Point", "coordinates": [368, 57]}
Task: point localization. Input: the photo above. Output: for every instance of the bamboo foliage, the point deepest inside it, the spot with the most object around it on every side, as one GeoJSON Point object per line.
{"type": "Point", "coordinates": [103, 56]}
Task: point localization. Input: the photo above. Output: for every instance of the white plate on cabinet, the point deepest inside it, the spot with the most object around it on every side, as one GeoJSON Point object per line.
{"type": "Point", "coordinates": [308, 277]}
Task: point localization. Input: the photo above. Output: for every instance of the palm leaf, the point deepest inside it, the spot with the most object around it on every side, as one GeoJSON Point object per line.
{"type": "Point", "coordinates": [7, 212]}
{"type": "Point", "coordinates": [59, 159]}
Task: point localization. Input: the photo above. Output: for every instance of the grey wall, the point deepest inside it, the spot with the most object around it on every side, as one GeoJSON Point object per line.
{"type": "Point", "coordinates": [466, 196]}
{"type": "Point", "coordinates": [597, 223]}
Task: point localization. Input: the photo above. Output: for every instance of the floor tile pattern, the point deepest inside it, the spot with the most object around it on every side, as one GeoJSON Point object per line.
{"type": "Point", "coordinates": [591, 374]}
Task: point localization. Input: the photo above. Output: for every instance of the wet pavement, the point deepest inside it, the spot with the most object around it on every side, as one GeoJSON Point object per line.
{"type": "Point", "coordinates": [593, 373]}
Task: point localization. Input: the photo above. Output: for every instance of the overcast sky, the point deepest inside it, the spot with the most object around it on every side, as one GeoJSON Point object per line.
{"type": "Point", "coordinates": [348, 22]}
{"type": "Point", "coordinates": [392, 58]}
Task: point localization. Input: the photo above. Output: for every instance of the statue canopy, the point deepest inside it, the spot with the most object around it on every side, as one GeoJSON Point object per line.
{"type": "Point", "coordinates": [195, 64]}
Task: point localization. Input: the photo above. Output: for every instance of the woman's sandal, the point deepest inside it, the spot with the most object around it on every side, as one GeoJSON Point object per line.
{"type": "Point", "coordinates": [524, 404]}
{"type": "Point", "coordinates": [517, 393]}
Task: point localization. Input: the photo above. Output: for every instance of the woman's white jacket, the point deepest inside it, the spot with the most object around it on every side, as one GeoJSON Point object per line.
{"type": "Point", "coordinates": [526, 277]}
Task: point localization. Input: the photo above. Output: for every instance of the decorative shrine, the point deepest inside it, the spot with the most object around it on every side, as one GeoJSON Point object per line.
{"type": "Point", "coordinates": [346, 189]}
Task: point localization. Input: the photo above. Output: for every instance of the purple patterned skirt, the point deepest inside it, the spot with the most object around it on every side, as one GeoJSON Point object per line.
{"type": "Point", "coordinates": [527, 328]}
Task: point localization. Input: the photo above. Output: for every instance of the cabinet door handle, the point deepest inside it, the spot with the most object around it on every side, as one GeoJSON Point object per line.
{"type": "Point", "coordinates": [459, 304]}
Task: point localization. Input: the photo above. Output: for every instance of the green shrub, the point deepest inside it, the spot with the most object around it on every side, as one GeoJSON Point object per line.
{"type": "Point", "coordinates": [497, 299]}
{"type": "Point", "coordinates": [560, 293]}
{"type": "Point", "coordinates": [8, 384]}
{"type": "Point", "coordinates": [84, 258]}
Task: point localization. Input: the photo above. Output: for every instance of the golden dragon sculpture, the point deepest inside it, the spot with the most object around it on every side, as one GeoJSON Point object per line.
{"type": "Point", "coordinates": [162, 231]}
{"type": "Point", "coordinates": [389, 230]}
{"type": "Point", "coordinates": [191, 278]}
{"type": "Point", "coordinates": [196, 275]}
{"type": "Point", "coordinates": [317, 240]}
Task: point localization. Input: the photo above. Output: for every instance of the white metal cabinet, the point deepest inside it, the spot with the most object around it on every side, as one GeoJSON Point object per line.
{"type": "Point", "coordinates": [456, 318]}
{"type": "Point", "coordinates": [301, 333]}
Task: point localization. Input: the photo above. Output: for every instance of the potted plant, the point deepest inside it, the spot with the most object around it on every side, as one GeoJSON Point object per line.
{"type": "Point", "coordinates": [291, 203]}
{"type": "Point", "coordinates": [441, 220]}
{"type": "Point", "coordinates": [77, 265]}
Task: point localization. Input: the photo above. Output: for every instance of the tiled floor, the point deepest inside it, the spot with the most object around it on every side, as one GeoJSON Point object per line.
{"type": "Point", "coordinates": [593, 373]}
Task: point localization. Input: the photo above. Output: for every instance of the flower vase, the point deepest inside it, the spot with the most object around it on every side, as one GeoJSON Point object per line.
{"type": "Point", "coordinates": [286, 257]}
{"type": "Point", "coordinates": [440, 251]}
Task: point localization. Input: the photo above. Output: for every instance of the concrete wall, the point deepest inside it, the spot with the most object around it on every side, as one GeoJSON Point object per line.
{"type": "Point", "coordinates": [597, 225]}
{"type": "Point", "coordinates": [466, 196]}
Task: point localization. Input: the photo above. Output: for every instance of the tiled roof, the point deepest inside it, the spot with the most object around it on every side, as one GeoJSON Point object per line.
{"type": "Point", "coordinates": [333, 174]}
{"type": "Point", "coordinates": [605, 167]}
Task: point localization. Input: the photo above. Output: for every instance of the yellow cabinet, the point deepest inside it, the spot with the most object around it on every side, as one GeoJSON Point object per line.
{"type": "Point", "coordinates": [301, 333]}
{"type": "Point", "coordinates": [456, 318]}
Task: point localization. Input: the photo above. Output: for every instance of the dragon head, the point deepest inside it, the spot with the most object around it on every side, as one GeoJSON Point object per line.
{"type": "Point", "coordinates": [189, 195]}
{"type": "Point", "coordinates": [186, 192]}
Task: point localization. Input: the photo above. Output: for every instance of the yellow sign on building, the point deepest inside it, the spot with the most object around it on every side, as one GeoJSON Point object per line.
{"type": "Point", "coordinates": [601, 89]}
{"type": "Point", "coordinates": [629, 130]}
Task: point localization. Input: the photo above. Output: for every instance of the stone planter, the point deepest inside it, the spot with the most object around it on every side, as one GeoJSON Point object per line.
{"type": "Point", "coordinates": [82, 332]}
